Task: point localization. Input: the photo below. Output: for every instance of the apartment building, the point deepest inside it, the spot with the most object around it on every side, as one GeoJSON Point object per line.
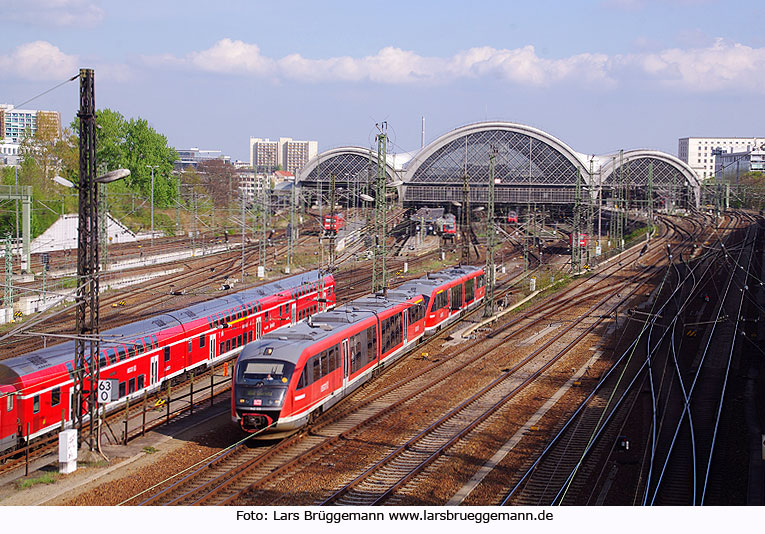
{"type": "Point", "coordinates": [15, 122]}
{"type": "Point", "coordinates": [290, 155]}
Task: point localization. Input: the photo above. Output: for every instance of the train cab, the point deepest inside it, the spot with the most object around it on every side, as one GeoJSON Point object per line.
{"type": "Point", "coordinates": [512, 217]}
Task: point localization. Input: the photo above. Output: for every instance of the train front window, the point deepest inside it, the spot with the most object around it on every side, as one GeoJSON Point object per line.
{"type": "Point", "coordinates": [270, 372]}
{"type": "Point", "coordinates": [262, 382]}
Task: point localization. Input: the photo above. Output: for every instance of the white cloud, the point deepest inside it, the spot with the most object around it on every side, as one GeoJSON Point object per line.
{"type": "Point", "coordinates": [723, 65]}
{"type": "Point", "coordinates": [38, 60]}
{"type": "Point", "coordinates": [395, 66]}
{"type": "Point", "coordinates": [73, 13]}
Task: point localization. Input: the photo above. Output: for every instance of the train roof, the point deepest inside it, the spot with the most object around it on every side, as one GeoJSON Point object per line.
{"type": "Point", "coordinates": [48, 357]}
{"type": "Point", "coordinates": [426, 284]}
{"type": "Point", "coordinates": [324, 325]}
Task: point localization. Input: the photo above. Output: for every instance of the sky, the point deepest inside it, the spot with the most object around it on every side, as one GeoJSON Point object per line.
{"type": "Point", "coordinates": [600, 75]}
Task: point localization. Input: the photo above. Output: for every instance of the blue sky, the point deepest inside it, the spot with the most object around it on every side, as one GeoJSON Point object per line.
{"type": "Point", "coordinates": [600, 75]}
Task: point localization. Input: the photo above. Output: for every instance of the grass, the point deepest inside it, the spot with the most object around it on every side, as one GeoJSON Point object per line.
{"type": "Point", "coordinates": [150, 450]}
{"type": "Point", "coordinates": [45, 478]}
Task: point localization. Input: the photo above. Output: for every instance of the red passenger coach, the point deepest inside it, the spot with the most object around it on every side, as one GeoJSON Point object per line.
{"type": "Point", "coordinates": [288, 377]}
{"type": "Point", "coordinates": [36, 389]}
{"type": "Point", "coordinates": [448, 294]}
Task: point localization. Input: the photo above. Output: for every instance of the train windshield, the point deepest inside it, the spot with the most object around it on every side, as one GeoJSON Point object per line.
{"type": "Point", "coordinates": [270, 372]}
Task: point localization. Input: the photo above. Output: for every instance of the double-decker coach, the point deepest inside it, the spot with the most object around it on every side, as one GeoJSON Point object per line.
{"type": "Point", "coordinates": [36, 389]}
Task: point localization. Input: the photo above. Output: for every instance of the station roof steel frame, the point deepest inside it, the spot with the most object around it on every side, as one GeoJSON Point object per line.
{"type": "Point", "coordinates": [528, 159]}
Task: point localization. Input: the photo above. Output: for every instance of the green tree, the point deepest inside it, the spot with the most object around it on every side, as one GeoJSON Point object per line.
{"type": "Point", "coordinates": [133, 144]}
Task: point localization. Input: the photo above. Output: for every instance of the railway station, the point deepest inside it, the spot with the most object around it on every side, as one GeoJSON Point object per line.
{"type": "Point", "coordinates": [495, 319]}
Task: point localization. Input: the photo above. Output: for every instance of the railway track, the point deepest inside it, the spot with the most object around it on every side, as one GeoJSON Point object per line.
{"type": "Point", "coordinates": [299, 450]}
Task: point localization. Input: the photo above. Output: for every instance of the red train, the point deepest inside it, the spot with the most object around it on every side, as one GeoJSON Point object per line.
{"type": "Point", "coordinates": [512, 217]}
{"type": "Point", "coordinates": [446, 226]}
{"type": "Point", "coordinates": [284, 380]}
{"type": "Point", "coordinates": [334, 223]}
{"type": "Point", "coordinates": [37, 388]}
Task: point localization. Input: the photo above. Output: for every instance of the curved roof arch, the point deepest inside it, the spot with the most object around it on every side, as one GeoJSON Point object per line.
{"type": "Point", "coordinates": [347, 163]}
{"type": "Point", "coordinates": [666, 170]}
{"type": "Point", "coordinates": [526, 155]}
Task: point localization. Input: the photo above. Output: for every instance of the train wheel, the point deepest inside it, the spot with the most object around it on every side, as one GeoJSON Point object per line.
{"type": "Point", "coordinates": [314, 416]}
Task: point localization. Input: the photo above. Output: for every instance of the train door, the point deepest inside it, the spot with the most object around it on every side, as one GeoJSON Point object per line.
{"type": "Point", "coordinates": [154, 370]}
{"type": "Point", "coordinates": [213, 347]}
{"type": "Point", "coordinates": [258, 328]}
{"type": "Point", "coordinates": [346, 363]}
{"type": "Point", "coordinates": [293, 308]}
{"type": "Point", "coordinates": [405, 322]}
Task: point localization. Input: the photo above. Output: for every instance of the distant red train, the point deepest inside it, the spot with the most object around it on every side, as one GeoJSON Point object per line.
{"type": "Point", "coordinates": [580, 240]}
{"type": "Point", "coordinates": [287, 378]}
{"type": "Point", "coordinates": [37, 388]}
{"type": "Point", "coordinates": [512, 217]}
{"type": "Point", "coordinates": [334, 223]}
{"type": "Point", "coordinates": [446, 225]}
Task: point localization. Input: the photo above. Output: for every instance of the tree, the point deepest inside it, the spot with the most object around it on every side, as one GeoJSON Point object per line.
{"type": "Point", "coordinates": [220, 180]}
{"type": "Point", "coordinates": [134, 145]}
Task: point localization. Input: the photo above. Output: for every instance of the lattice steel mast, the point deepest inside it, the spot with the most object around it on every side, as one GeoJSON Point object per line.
{"type": "Point", "coordinates": [87, 343]}
{"type": "Point", "coordinates": [488, 310]}
{"type": "Point", "coordinates": [379, 282]}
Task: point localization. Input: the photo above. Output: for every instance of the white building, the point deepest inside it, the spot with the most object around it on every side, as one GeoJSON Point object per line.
{"type": "Point", "coordinates": [291, 155]}
{"type": "Point", "coordinates": [697, 151]}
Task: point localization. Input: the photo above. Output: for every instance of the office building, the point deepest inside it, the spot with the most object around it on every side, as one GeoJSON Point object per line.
{"type": "Point", "coordinates": [697, 152]}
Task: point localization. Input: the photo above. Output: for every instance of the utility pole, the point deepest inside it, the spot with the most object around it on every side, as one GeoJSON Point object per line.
{"type": "Point", "coordinates": [576, 251]}
{"type": "Point", "coordinates": [262, 196]}
{"type": "Point", "coordinates": [488, 310]}
{"type": "Point", "coordinates": [332, 233]}
{"type": "Point", "coordinates": [650, 193]}
{"type": "Point", "coordinates": [465, 222]}
{"type": "Point", "coordinates": [8, 300]}
{"type": "Point", "coordinates": [152, 167]}
{"type": "Point", "coordinates": [292, 233]}
{"type": "Point", "coordinates": [379, 282]}
{"type": "Point", "coordinates": [86, 366]}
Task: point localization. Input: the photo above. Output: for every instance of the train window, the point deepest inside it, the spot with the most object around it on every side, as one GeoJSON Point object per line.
{"type": "Point", "coordinates": [147, 341]}
{"type": "Point", "coordinates": [469, 294]}
{"type": "Point", "coordinates": [122, 389]}
{"type": "Point", "coordinates": [249, 336]}
{"type": "Point", "coordinates": [209, 322]}
{"type": "Point", "coordinates": [55, 396]}
{"type": "Point", "coordinates": [120, 353]}
{"type": "Point", "coordinates": [456, 297]}
{"type": "Point", "coordinates": [156, 341]}
{"type": "Point", "coordinates": [9, 403]}
{"type": "Point", "coordinates": [265, 317]}
{"type": "Point", "coordinates": [139, 347]}
{"type": "Point", "coordinates": [371, 343]}
{"type": "Point", "coordinates": [222, 346]}
{"type": "Point", "coordinates": [202, 341]}
{"type": "Point", "coordinates": [239, 338]}
{"type": "Point", "coordinates": [131, 385]}
{"type": "Point", "coordinates": [102, 361]}
{"type": "Point", "coordinates": [317, 367]}
{"type": "Point", "coordinates": [36, 404]}
{"type": "Point", "coordinates": [167, 354]}
{"type": "Point", "coordinates": [130, 350]}
{"type": "Point", "coordinates": [70, 369]}
{"type": "Point", "coordinates": [191, 346]}
{"type": "Point", "coordinates": [228, 345]}
{"type": "Point", "coordinates": [140, 382]}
